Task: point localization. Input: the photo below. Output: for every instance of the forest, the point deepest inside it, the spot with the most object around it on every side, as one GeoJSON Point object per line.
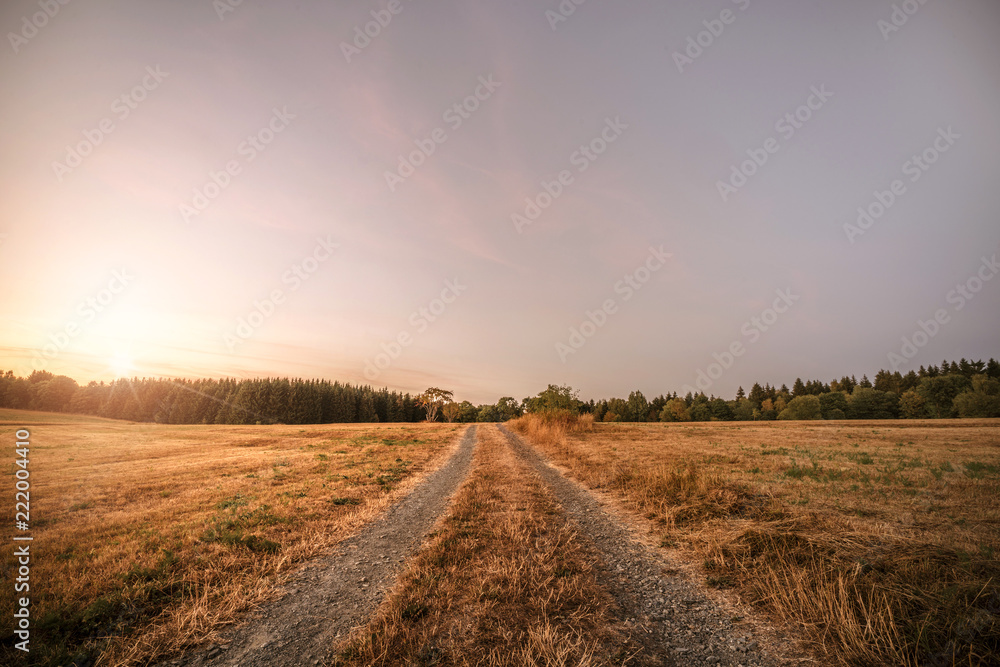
{"type": "Point", "coordinates": [953, 389]}
{"type": "Point", "coordinates": [227, 401]}
{"type": "Point", "coordinates": [961, 389]}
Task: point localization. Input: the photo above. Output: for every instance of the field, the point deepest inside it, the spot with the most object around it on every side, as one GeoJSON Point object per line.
{"type": "Point", "coordinates": [874, 542]}
{"type": "Point", "coordinates": [163, 534]}
{"type": "Point", "coordinates": [878, 540]}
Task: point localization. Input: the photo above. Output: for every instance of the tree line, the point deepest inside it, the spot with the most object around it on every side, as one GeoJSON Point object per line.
{"type": "Point", "coordinates": [227, 401]}
{"type": "Point", "coordinates": [230, 401]}
{"type": "Point", "coordinates": [953, 389]}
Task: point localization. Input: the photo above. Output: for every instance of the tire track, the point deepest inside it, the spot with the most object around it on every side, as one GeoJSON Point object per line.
{"type": "Point", "coordinates": [669, 615]}
{"type": "Point", "coordinates": [339, 591]}
{"type": "Point", "coordinates": [507, 581]}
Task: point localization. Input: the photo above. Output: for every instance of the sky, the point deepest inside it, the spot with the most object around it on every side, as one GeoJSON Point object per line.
{"type": "Point", "coordinates": [490, 197]}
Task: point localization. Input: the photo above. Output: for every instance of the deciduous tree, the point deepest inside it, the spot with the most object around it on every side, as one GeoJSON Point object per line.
{"type": "Point", "coordinates": [432, 400]}
{"type": "Point", "coordinates": [802, 407]}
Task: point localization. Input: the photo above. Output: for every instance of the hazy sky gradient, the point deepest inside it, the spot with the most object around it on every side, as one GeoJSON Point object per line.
{"type": "Point", "coordinates": [323, 177]}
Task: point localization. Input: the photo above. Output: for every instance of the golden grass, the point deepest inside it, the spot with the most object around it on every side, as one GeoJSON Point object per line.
{"type": "Point", "coordinates": [503, 581]}
{"type": "Point", "coordinates": [157, 536]}
{"type": "Point", "coordinates": [28, 418]}
{"type": "Point", "coordinates": [877, 539]}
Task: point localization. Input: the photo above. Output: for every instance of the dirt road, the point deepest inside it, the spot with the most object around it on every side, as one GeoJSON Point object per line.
{"type": "Point", "coordinates": [671, 616]}
{"type": "Point", "coordinates": [337, 592]}
{"type": "Point", "coordinates": [667, 614]}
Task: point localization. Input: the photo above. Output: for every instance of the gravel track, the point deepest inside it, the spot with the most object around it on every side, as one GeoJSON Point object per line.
{"type": "Point", "coordinates": [670, 615]}
{"type": "Point", "coordinates": [337, 592]}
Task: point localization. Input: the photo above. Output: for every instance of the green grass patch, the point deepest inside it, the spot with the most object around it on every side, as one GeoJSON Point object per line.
{"type": "Point", "coordinates": [861, 458]}
{"type": "Point", "coordinates": [801, 472]}
{"type": "Point", "coordinates": [344, 501]}
{"type": "Point", "coordinates": [980, 470]}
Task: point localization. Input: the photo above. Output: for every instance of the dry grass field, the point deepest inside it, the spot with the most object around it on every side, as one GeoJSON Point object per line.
{"type": "Point", "coordinates": [878, 540]}
{"type": "Point", "coordinates": [157, 536]}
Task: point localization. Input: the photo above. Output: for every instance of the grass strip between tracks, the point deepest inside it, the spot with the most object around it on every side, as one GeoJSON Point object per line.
{"type": "Point", "coordinates": [504, 581]}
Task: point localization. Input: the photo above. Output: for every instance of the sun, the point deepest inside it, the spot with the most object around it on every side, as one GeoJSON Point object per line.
{"type": "Point", "coordinates": [121, 364]}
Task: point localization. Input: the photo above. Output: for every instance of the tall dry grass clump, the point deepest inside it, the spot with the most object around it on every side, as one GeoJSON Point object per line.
{"type": "Point", "coordinates": [553, 426]}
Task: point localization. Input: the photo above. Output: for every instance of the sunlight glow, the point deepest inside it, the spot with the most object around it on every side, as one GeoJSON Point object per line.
{"type": "Point", "coordinates": [121, 364]}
